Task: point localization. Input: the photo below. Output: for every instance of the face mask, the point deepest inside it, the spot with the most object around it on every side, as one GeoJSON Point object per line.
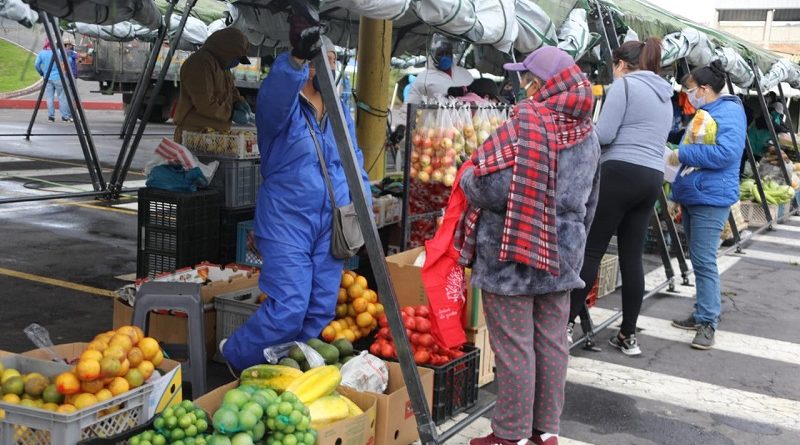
{"type": "Point", "coordinates": [445, 63]}
{"type": "Point", "coordinates": [697, 102]}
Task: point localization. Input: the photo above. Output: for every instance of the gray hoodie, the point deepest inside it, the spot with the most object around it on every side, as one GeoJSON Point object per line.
{"type": "Point", "coordinates": [636, 130]}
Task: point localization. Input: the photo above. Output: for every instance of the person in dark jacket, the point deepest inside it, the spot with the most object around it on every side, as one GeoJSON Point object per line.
{"type": "Point", "coordinates": [532, 195]}
{"type": "Point", "coordinates": [633, 128]}
{"type": "Point", "coordinates": [706, 186]}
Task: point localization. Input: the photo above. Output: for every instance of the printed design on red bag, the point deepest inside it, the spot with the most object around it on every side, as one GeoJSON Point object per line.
{"type": "Point", "coordinates": [454, 288]}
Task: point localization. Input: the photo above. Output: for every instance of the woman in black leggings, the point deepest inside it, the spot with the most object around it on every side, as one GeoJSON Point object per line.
{"type": "Point", "coordinates": [633, 128]}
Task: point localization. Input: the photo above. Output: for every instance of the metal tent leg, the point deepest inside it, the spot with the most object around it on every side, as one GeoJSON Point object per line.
{"type": "Point", "coordinates": [796, 201]}
{"type": "Point", "coordinates": [45, 79]}
{"type": "Point", "coordinates": [765, 110]}
{"type": "Point", "coordinates": [662, 244]}
{"type": "Point", "coordinates": [427, 429]}
{"type": "Point", "coordinates": [673, 233]}
{"type": "Point", "coordinates": [128, 149]}
{"type": "Point", "coordinates": [73, 101]}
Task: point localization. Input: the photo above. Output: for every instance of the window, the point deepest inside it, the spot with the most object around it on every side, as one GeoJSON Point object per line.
{"type": "Point", "coordinates": [786, 15]}
{"type": "Point", "coordinates": [743, 15]}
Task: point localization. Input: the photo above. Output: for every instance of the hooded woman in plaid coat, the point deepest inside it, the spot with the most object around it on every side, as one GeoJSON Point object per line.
{"type": "Point", "coordinates": [532, 195]}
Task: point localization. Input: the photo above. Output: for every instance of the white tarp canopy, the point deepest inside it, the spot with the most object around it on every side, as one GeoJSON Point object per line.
{"type": "Point", "coordinates": [195, 32]}
{"type": "Point", "coordinates": [19, 12]}
{"type": "Point", "coordinates": [101, 12]}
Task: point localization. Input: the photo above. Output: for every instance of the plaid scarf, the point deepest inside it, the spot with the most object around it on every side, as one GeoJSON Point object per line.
{"type": "Point", "coordinates": [557, 117]}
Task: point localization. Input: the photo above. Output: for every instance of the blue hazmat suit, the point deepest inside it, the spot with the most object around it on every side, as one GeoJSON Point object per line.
{"type": "Point", "coordinates": [293, 218]}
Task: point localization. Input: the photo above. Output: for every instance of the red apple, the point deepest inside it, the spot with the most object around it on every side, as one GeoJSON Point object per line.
{"type": "Point", "coordinates": [425, 160]}
{"type": "Point", "coordinates": [423, 176]}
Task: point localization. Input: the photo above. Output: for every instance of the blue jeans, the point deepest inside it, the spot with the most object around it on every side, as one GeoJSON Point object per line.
{"type": "Point", "coordinates": [703, 226]}
{"type": "Point", "coordinates": [54, 87]}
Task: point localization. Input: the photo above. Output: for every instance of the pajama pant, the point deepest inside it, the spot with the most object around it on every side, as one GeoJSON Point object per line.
{"type": "Point", "coordinates": [529, 340]}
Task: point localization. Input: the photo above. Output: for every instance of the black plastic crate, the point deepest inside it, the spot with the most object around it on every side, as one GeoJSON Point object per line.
{"type": "Point", "coordinates": [237, 180]}
{"type": "Point", "coordinates": [176, 230]}
{"type": "Point", "coordinates": [229, 220]}
{"type": "Point", "coordinates": [455, 385]}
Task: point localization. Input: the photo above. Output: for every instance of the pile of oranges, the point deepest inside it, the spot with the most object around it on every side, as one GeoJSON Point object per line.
{"type": "Point", "coordinates": [113, 363]}
{"type": "Point", "coordinates": [357, 310]}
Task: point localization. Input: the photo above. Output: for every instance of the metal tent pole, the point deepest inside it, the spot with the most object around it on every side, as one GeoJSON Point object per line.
{"type": "Point", "coordinates": [411, 123]}
{"type": "Point", "coordinates": [70, 93]}
{"type": "Point", "coordinates": [796, 201]}
{"type": "Point", "coordinates": [676, 241]}
{"type": "Point", "coordinates": [45, 79]}
{"type": "Point", "coordinates": [147, 74]}
{"type": "Point", "coordinates": [765, 111]}
{"type": "Point", "coordinates": [344, 144]}
{"type": "Point", "coordinates": [128, 149]}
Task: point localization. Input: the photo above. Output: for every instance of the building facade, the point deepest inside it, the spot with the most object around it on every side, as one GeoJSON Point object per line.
{"type": "Point", "coordinates": [772, 24]}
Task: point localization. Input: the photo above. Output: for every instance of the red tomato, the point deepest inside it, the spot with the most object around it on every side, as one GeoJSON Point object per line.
{"type": "Point", "coordinates": [410, 323]}
{"type": "Point", "coordinates": [387, 350]}
{"type": "Point", "coordinates": [422, 311]}
{"type": "Point", "coordinates": [408, 310]}
{"type": "Point", "coordinates": [384, 333]}
{"type": "Point", "coordinates": [422, 325]}
{"type": "Point", "coordinates": [422, 357]}
{"type": "Point", "coordinates": [415, 338]}
{"type": "Point", "coordinates": [457, 354]}
{"type": "Point", "coordinates": [375, 349]}
{"type": "Point", "coordinates": [425, 340]}
{"type": "Point", "coordinates": [409, 333]}
{"type": "Point", "coordinates": [383, 321]}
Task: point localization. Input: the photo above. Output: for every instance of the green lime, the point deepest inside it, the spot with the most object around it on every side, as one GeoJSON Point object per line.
{"type": "Point", "coordinates": [171, 422]}
{"type": "Point", "coordinates": [226, 421]}
{"type": "Point", "coordinates": [201, 425]}
{"type": "Point", "coordinates": [177, 434]}
{"type": "Point", "coordinates": [187, 405]}
{"type": "Point", "coordinates": [158, 439]}
{"type": "Point", "coordinates": [179, 412]}
{"type": "Point", "coordinates": [247, 420]}
{"type": "Point", "coordinates": [288, 397]}
{"type": "Point", "coordinates": [159, 423]}
{"type": "Point", "coordinates": [295, 417]}
{"type": "Point", "coordinates": [169, 412]}
{"type": "Point", "coordinates": [285, 408]}
{"type": "Point", "coordinates": [290, 440]}
{"type": "Point", "coordinates": [134, 440]}
{"type": "Point", "coordinates": [190, 431]}
{"type": "Point", "coordinates": [185, 421]}
{"type": "Point", "coordinates": [200, 414]}
{"type": "Point", "coordinates": [272, 411]}
{"type": "Point", "coordinates": [259, 430]}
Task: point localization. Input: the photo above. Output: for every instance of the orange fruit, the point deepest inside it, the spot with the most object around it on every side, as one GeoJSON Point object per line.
{"type": "Point", "coordinates": [92, 354]}
{"type": "Point", "coordinates": [329, 333]}
{"type": "Point", "coordinates": [149, 347]}
{"type": "Point", "coordinates": [135, 356]}
{"type": "Point", "coordinates": [50, 407]}
{"type": "Point", "coordinates": [349, 335]}
{"type": "Point", "coordinates": [98, 345]}
{"type": "Point", "coordinates": [85, 400]}
{"type": "Point", "coordinates": [364, 320]}
{"type": "Point", "coordinates": [355, 291]}
{"type": "Point", "coordinates": [70, 399]}
{"type": "Point", "coordinates": [130, 332]}
{"type": "Point", "coordinates": [365, 331]}
{"type": "Point", "coordinates": [92, 386]}
{"type": "Point", "coordinates": [88, 369]}
{"type": "Point", "coordinates": [347, 280]}
{"type": "Point", "coordinates": [379, 310]}
{"type": "Point", "coordinates": [341, 311]}
{"type": "Point", "coordinates": [372, 309]}
{"type": "Point", "coordinates": [109, 367]}
{"type": "Point", "coordinates": [66, 409]}
{"type": "Point", "coordinates": [119, 386]}
{"type": "Point", "coordinates": [158, 358]}
{"type": "Point", "coordinates": [361, 281]}
{"type": "Point", "coordinates": [124, 367]}
{"type": "Point", "coordinates": [123, 341]}
{"type": "Point", "coordinates": [139, 333]}
{"type": "Point", "coordinates": [146, 368]}
{"type": "Point", "coordinates": [115, 351]}
{"type": "Point", "coordinates": [103, 395]}
{"type": "Point", "coordinates": [135, 378]}
{"type": "Point", "coordinates": [67, 383]}
{"type": "Point", "coordinates": [337, 326]}
{"type": "Point", "coordinates": [351, 311]}
{"type": "Point", "coordinates": [342, 296]}
{"type": "Point", "coordinates": [11, 398]}
{"type": "Point", "coordinates": [351, 322]}
{"type": "Point", "coordinates": [359, 305]}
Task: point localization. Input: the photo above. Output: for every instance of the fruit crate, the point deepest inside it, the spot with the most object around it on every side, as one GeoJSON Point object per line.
{"type": "Point", "coordinates": [237, 180]}
{"type": "Point", "coordinates": [238, 144]}
{"type": "Point", "coordinates": [753, 213]}
{"type": "Point", "coordinates": [455, 385]}
{"type": "Point", "coordinates": [246, 257]}
{"type": "Point", "coordinates": [176, 230]}
{"type": "Point", "coordinates": [22, 425]}
{"type": "Point", "coordinates": [233, 310]}
{"type": "Point", "coordinates": [479, 337]}
{"type": "Point", "coordinates": [607, 275]}
{"type": "Point", "coordinates": [229, 220]}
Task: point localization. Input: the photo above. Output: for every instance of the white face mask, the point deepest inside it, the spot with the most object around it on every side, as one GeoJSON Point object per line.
{"type": "Point", "coordinates": [697, 102]}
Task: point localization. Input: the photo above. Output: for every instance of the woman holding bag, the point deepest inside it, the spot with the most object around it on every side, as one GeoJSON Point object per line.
{"type": "Point", "coordinates": [633, 128]}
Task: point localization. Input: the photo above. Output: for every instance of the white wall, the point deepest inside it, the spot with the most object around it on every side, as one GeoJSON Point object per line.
{"type": "Point", "coordinates": [699, 11]}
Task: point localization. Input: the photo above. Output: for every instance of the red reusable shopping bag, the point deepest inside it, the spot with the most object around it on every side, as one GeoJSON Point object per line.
{"type": "Point", "coordinates": [443, 277]}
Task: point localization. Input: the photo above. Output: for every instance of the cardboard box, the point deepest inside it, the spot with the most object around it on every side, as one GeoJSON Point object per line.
{"type": "Point", "coordinates": [408, 287]}
{"type": "Point", "coordinates": [396, 424]}
{"type": "Point", "coordinates": [359, 430]}
{"type": "Point", "coordinates": [214, 278]}
{"type": "Point", "coordinates": [480, 338]}
{"type": "Point", "coordinates": [167, 328]}
{"type": "Point", "coordinates": [167, 388]}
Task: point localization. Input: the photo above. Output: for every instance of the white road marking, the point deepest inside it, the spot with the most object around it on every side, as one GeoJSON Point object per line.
{"type": "Point", "coordinates": [769, 256]}
{"type": "Point", "coordinates": [130, 206]}
{"type": "Point", "coordinates": [786, 228]}
{"type": "Point", "coordinates": [89, 187]}
{"type": "Point", "coordinates": [760, 347]}
{"type": "Point", "coordinates": [659, 275]}
{"type": "Point", "coordinates": [22, 174]}
{"type": "Point", "coordinates": [482, 427]}
{"type": "Point", "coordinates": [785, 241]}
{"type": "Point", "coordinates": [10, 159]}
{"type": "Point", "coordinates": [681, 392]}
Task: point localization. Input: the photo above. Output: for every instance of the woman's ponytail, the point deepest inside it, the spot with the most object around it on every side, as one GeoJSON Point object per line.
{"type": "Point", "coordinates": [650, 56]}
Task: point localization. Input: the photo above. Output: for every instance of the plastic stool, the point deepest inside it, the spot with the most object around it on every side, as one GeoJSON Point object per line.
{"type": "Point", "coordinates": [183, 297]}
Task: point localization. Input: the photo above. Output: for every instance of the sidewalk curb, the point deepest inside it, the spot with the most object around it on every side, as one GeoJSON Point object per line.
{"type": "Point", "coordinates": [30, 103]}
{"type": "Point", "coordinates": [23, 92]}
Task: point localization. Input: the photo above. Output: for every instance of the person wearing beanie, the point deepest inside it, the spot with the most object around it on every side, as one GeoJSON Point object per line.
{"type": "Point", "coordinates": [532, 191]}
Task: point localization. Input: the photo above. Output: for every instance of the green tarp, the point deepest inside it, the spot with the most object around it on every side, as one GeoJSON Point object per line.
{"type": "Point", "coordinates": [205, 10]}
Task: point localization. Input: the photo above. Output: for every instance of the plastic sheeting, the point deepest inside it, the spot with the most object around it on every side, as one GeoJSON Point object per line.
{"type": "Point", "coordinates": [689, 43]}
{"type": "Point", "coordinates": [736, 67]}
{"type": "Point", "coordinates": [535, 27]}
{"type": "Point", "coordinates": [101, 12]}
{"type": "Point", "coordinates": [374, 9]}
{"type": "Point", "coordinates": [574, 36]}
{"type": "Point", "coordinates": [489, 22]}
{"type": "Point", "coordinates": [119, 32]}
{"type": "Point", "coordinates": [498, 23]}
{"type": "Point", "coordinates": [195, 31]}
{"type": "Point", "coordinates": [19, 12]}
{"type": "Point", "coordinates": [781, 71]}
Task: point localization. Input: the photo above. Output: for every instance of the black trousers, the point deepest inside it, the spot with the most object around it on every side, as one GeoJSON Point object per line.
{"type": "Point", "coordinates": [627, 195]}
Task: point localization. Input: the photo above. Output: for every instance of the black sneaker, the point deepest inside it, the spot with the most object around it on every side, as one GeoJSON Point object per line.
{"type": "Point", "coordinates": [628, 345]}
{"type": "Point", "coordinates": [689, 324]}
{"type": "Point", "coordinates": [69, 120]}
{"type": "Point", "coordinates": [704, 339]}
{"type": "Point", "coordinates": [51, 119]}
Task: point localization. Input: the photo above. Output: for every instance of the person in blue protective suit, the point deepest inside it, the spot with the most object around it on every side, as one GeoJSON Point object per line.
{"type": "Point", "coordinates": [293, 212]}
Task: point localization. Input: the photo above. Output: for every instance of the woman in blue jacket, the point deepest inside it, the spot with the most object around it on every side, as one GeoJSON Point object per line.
{"type": "Point", "coordinates": [706, 187]}
{"type": "Point", "coordinates": [293, 220]}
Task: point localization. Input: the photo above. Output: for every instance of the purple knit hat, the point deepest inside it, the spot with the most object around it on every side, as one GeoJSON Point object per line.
{"type": "Point", "coordinates": [543, 63]}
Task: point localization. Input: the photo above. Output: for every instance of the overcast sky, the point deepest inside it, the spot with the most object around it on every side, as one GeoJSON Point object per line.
{"type": "Point", "coordinates": [700, 11]}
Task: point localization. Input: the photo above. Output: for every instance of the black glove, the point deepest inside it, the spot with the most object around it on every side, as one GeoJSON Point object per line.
{"type": "Point", "coordinates": [398, 134]}
{"type": "Point", "coordinates": [304, 36]}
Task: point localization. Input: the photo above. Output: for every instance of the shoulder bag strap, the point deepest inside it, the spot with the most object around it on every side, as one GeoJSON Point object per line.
{"type": "Point", "coordinates": [323, 166]}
